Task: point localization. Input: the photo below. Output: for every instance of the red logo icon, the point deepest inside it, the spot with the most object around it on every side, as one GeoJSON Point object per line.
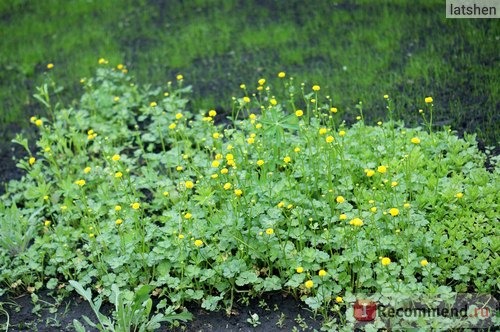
{"type": "Point", "coordinates": [365, 310]}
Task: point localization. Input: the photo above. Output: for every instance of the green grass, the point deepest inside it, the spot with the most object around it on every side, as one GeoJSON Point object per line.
{"type": "Point", "coordinates": [355, 50]}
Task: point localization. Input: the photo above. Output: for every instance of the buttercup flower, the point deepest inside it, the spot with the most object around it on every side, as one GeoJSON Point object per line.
{"type": "Point", "coordinates": [172, 126]}
{"type": "Point", "coordinates": [118, 208]}
{"type": "Point", "coordinates": [343, 216]}
{"type": "Point", "coordinates": [369, 172]}
{"type": "Point", "coordinates": [153, 104]}
{"type": "Point", "coordinates": [227, 186]}
{"type": "Point", "coordinates": [316, 88]}
{"type": "Point", "coordinates": [238, 192]}
{"type": "Point", "coordinates": [87, 170]}
{"type": "Point", "coordinates": [32, 160]}
{"type": "Point", "coordinates": [115, 157]}
{"type": "Point", "coordinates": [180, 236]}
{"type": "Point", "coordinates": [188, 215]}
{"type": "Point", "coordinates": [322, 273]}
{"type": "Point", "coordinates": [299, 113]}
{"type": "Point", "coordinates": [262, 81]}
{"type": "Point", "coordinates": [329, 139]}
{"type": "Point", "coordinates": [309, 284]}
{"type": "Point", "coordinates": [179, 77]}
{"type": "Point", "coordinates": [46, 223]}
{"type": "Point", "coordinates": [428, 100]}
{"type": "Point", "coordinates": [356, 222]}
{"type": "Point", "coordinates": [246, 99]}
{"type": "Point", "coordinates": [415, 140]}
{"type": "Point", "coordinates": [281, 74]}
{"type": "Point", "coordinates": [322, 131]}
{"type": "Point", "coordinates": [393, 212]}
{"type": "Point", "coordinates": [394, 184]}
{"type": "Point", "coordinates": [260, 162]}
{"type": "Point", "coordinates": [386, 96]}
{"type": "Point", "coordinates": [269, 231]}
{"type": "Point", "coordinates": [407, 205]}
{"type": "Point", "coordinates": [119, 221]}
{"type": "Point", "coordinates": [50, 66]}
{"type": "Point", "coordinates": [80, 182]}
{"type": "Point", "coordinates": [299, 269]}
{"type": "Point", "coordinates": [189, 184]}
{"type": "Point", "coordinates": [178, 116]}
{"type": "Point", "coordinates": [339, 299]}
{"type": "Point", "coordinates": [333, 110]}
{"type": "Point", "coordinates": [135, 206]}
{"type": "Point", "coordinates": [198, 243]}
{"type": "Point", "coordinates": [342, 133]}
{"type": "Point", "coordinates": [459, 195]}
{"type": "Point", "coordinates": [382, 169]}
{"type": "Point", "coordinates": [281, 204]}
{"type": "Point", "coordinates": [118, 175]}
{"type": "Point", "coordinates": [224, 171]}
{"type": "Point", "coordinates": [287, 159]}
{"type": "Point", "coordinates": [212, 113]}
{"type": "Point", "coordinates": [424, 262]}
{"type": "Point", "coordinates": [38, 122]}
{"type": "Point", "coordinates": [215, 163]}
{"type": "Point", "coordinates": [385, 261]}
{"type": "Point", "coordinates": [340, 199]}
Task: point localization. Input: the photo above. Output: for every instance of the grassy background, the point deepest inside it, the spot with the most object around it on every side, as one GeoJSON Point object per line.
{"type": "Point", "coordinates": [356, 50]}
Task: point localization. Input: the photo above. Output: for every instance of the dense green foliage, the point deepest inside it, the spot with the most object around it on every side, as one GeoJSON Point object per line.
{"type": "Point", "coordinates": [356, 50]}
{"type": "Point", "coordinates": [129, 189]}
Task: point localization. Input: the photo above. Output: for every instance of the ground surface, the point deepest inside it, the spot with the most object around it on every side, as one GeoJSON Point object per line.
{"type": "Point", "coordinates": [276, 313]}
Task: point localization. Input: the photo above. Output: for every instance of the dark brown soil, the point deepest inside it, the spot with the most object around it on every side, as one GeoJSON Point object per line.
{"type": "Point", "coordinates": [276, 313]}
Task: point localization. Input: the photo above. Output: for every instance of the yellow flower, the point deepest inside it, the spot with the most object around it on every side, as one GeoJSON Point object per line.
{"type": "Point", "coordinates": [394, 184]}
{"type": "Point", "coordinates": [81, 182]}
{"type": "Point", "coordinates": [424, 262]}
{"type": "Point", "coordinates": [179, 168]}
{"type": "Point", "coordinates": [329, 139]}
{"type": "Point", "coordinates": [393, 212]}
{"type": "Point", "coordinates": [246, 99]}
{"type": "Point", "coordinates": [334, 110]}
{"type": "Point", "coordinates": [229, 147]}
{"type": "Point", "coordinates": [178, 116]}
{"type": "Point", "coordinates": [309, 284]}
{"type": "Point", "coordinates": [356, 222]}
{"type": "Point", "coordinates": [299, 269]}
{"type": "Point", "coordinates": [102, 61]}
{"type": "Point", "coordinates": [118, 175]}
{"type": "Point", "coordinates": [212, 113]}
{"type": "Point", "coordinates": [322, 131]}
{"type": "Point", "coordinates": [385, 261]}
{"type": "Point", "coordinates": [218, 156]}
{"type": "Point", "coordinates": [358, 117]}
{"type": "Point", "coordinates": [119, 221]}
{"type": "Point", "coordinates": [231, 163]}
{"type": "Point", "coordinates": [340, 199]}
{"type": "Point", "coordinates": [87, 170]}
{"type": "Point", "coordinates": [269, 231]}
{"type": "Point", "coordinates": [166, 193]}
{"type": "Point", "coordinates": [153, 104]}
{"type": "Point", "coordinates": [243, 86]}
{"type": "Point", "coordinates": [179, 77]}
{"type": "Point", "coordinates": [214, 176]}
{"type": "Point", "coordinates": [47, 223]}
{"type": "Point", "coordinates": [373, 209]}
{"type": "Point", "coordinates": [386, 96]}
{"type": "Point", "coordinates": [299, 113]}
{"type": "Point", "coordinates": [115, 157]}
{"type": "Point", "coordinates": [342, 133]}
{"type": "Point", "coordinates": [227, 186]}
{"type": "Point", "coordinates": [281, 204]}
{"type": "Point", "coordinates": [369, 172]}
{"type": "Point", "coordinates": [229, 156]}
{"type": "Point", "coordinates": [415, 140]}
{"type": "Point", "coordinates": [273, 101]}
{"type": "Point", "coordinates": [91, 235]}
{"type": "Point", "coordinates": [281, 74]}
{"type": "Point", "coordinates": [180, 236]}
{"type": "Point", "coordinates": [316, 88]}
{"type": "Point", "coordinates": [188, 215]}
{"type": "Point", "coordinates": [379, 123]}
{"type": "Point", "coordinates": [50, 66]}
{"type": "Point", "coordinates": [38, 122]}
{"type": "Point", "coordinates": [215, 135]}
{"type": "Point", "coordinates": [289, 206]}
{"type": "Point", "coordinates": [322, 273]}
{"type": "Point", "coordinates": [287, 159]}
{"type": "Point", "coordinates": [428, 100]}
{"type": "Point", "coordinates": [238, 192]}
{"type": "Point", "coordinates": [135, 206]}
{"type": "Point", "coordinates": [250, 140]}
{"type": "Point", "coordinates": [459, 195]}
{"type": "Point", "coordinates": [260, 162]}
{"type": "Point", "coordinates": [343, 216]}
{"type": "Point", "coordinates": [172, 126]}
{"type": "Point", "coordinates": [262, 81]}
{"type": "Point", "coordinates": [339, 299]}
{"type": "Point", "coordinates": [382, 169]}
{"type": "Point", "coordinates": [189, 184]}
{"type": "Point", "coordinates": [407, 205]}
{"type": "Point", "coordinates": [224, 171]}
{"type": "Point", "coordinates": [120, 66]}
{"type": "Point", "coordinates": [32, 160]}
{"type": "Point", "coordinates": [46, 197]}
{"type": "Point", "coordinates": [296, 150]}
{"type": "Point", "coordinates": [118, 208]}
{"type": "Point", "coordinates": [215, 163]}
{"type": "Point", "coordinates": [198, 243]}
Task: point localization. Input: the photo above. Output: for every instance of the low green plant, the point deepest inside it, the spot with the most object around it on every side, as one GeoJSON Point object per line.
{"type": "Point", "coordinates": [134, 190]}
{"type": "Point", "coordinates": [130, 314]}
